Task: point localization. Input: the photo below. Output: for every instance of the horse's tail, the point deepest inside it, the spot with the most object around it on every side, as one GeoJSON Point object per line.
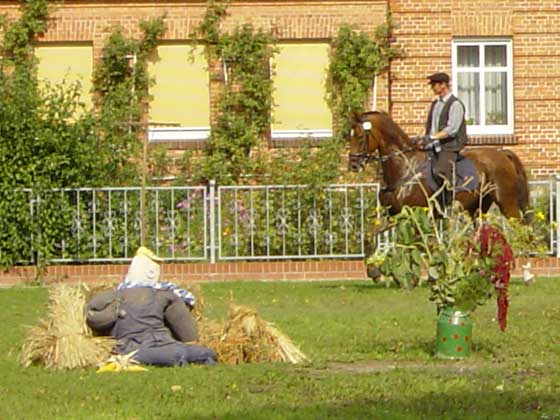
{"type": "Point", "coordinates": [522, 182]}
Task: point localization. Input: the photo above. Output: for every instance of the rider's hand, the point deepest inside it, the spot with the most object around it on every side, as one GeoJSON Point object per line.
{"type": "Point", "coordinates": [418, 139]}
{"type": "Point", "coordinates": [427, 139]}
{"type": "Point", "coordinates": [434, 145]}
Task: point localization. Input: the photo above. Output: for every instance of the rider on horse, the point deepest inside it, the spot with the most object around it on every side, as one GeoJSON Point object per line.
{"type": "Point", "coordinates": [446, 132]}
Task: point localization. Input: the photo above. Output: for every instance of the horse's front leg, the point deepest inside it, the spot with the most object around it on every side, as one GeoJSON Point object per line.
{"type": "Point", "coordinates": [396, 200]}
{"type": "Point", "coordinates": [389, 200]}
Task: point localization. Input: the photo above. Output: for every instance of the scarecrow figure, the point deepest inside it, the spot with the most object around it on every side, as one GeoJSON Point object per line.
{"type": "Point", "coordinates": [150, 317]}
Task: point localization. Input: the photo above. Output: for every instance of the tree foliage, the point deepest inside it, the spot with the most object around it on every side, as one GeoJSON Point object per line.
{"type": "Point", "coordinates": [49, 140]}
{"type": "Point", "coordinates": [245, 104]}
{"type": "Point", "coordinates": [356, 58]}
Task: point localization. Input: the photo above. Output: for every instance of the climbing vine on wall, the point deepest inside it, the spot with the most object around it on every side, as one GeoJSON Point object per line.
{"type": "Point", "coordinates": [243, 116]}
{"type": "Point", "coordinates": [356, 58]}
{"type": "Point", "coordinates": [122, 83]}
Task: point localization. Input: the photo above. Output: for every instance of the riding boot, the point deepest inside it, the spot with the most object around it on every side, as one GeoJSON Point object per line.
{"type": "Point", "coordinates": [442, 201]}
{"type": "Point", "coordinates": [446, 200]}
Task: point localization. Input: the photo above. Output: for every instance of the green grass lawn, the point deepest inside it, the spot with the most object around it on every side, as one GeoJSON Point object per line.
{"type": "Point", "coordinates": [371, 350]}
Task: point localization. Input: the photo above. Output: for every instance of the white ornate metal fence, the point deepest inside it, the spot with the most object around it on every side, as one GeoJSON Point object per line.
{"type": "Point", "coordinates": [209, 223]}
{"type": "Point", "coordinates": [104, 224]}
{"type": "Point", "coordinates": [294, 221]}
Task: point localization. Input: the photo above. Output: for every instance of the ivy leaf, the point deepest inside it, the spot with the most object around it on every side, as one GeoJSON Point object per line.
{"type": "Point", "coordinates": [416, 256]}
{"type": "Point", "coordinates": [433, 273]}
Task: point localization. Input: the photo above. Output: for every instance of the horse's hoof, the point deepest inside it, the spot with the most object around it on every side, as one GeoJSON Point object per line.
{"type": "Point", "coordinates": [373, 273]}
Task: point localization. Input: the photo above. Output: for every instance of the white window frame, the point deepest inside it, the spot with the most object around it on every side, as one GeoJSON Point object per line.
{"type": "Point", "coordinates": [484, 129]}
{"type": "Point", "coordinates": [301, 134]}
{"type": "Point", "coordinates": [166, 134]}
{"type": "Point", "coordinates": [298, 134]}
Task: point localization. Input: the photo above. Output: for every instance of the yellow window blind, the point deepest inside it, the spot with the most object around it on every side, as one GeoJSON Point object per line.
{"type": "Point", "coordinates": [67, 63]}
{"type": "Point", "coordinates": [299, 82]}
{"type": "Point", "coordinates": [180, 94]}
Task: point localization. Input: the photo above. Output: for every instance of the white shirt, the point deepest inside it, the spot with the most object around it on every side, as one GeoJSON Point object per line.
{"type": "Point", "coordinates": [456, 116]}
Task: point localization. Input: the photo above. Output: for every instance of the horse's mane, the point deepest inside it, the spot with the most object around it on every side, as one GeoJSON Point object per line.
{"type": "Point", "coordinates": [389, 129]}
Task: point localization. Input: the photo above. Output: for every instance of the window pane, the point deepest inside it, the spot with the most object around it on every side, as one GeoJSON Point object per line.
{"type": "Point", "coordinates": [180, 93]}
{"type": "Point", "coordinates": [468, 88]}
{"type": "Point", "coordinates": [495, 56]}
{"type": "Point", "coordinates": [495, 86]}
{"type": "Point", "coordinates": [69, 63]}
{"type": "Point", "coordinates": [467, 56]}
{"type": "Point", "coordinates": [299, 81]}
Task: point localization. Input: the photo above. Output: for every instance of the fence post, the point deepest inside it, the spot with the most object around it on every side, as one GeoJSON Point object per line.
{"type": "Point", "coordinates": [557, 216]}
{"type": "Point", "coordinates": [212, 221]}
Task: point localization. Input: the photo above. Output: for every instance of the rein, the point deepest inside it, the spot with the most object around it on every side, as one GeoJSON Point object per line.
{"type": "Point", "coordinates": [365, 157]}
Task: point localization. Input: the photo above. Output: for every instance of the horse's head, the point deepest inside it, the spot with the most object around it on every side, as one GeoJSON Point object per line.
{"type": "Point", "coordinates": [375, 135]}
{"type": "Point", "coordinates": [362, 142]}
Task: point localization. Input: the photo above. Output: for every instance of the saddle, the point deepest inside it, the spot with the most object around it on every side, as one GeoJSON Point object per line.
{"type": "Point", "coordinates": [466, 177]}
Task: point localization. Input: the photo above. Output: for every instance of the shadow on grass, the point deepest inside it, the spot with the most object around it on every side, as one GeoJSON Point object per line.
{"type": "Point", "coordinates": [366, 287]}
{"type": "Point", "coordinates": [393, 348]}
{"type": "Point", "coordinates": [415, 404]}
{"type": "Point", "coordinates": [484, 347]}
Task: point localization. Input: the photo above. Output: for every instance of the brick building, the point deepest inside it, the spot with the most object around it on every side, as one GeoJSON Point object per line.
{"type": "Point", "coordinates": [502, 54]}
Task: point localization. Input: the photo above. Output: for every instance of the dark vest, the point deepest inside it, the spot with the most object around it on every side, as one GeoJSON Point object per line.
{"type": "Point", "coordinates": [456, 142]}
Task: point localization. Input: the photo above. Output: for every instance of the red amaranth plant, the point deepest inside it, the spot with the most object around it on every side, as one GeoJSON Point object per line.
{"type": "Point", "coordinates": [494, 245]}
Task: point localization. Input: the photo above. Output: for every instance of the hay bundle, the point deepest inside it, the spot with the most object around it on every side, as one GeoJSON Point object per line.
{"type": "Point", "coordinates": [90, 291]}
{"type": "Point", "coordinates": [200, 305]}
{"type": "Point", "coordinates": [247, 338]}
{"type": "Point", "coordinates": [63, 340]}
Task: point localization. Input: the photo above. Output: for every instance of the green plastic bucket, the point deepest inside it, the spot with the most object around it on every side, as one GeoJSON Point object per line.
{"type": "Point", "coordinates": [454, 334]}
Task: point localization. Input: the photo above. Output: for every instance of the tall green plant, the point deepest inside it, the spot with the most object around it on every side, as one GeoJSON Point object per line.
{"type": "Point", "coordinates": [356, 58]}
{"type": "Point", "coordinates": [466, 262]}
{"type": "Point", "coordinates": [46, 141]}
{"type": "Point", "coordinates": [49, 140]}
{"type": "Point", "coordinates": [244, 107]}
{"type": "Point", "coordinates": [122, 83]}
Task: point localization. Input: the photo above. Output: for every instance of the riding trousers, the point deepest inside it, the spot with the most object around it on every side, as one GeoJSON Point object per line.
{"type": "Point", "coordinates": [443, 166]}
{"type": "Point", "coordinates": [443, 170]}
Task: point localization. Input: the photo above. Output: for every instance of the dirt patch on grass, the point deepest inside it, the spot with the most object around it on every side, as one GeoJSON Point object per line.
{"type": "Point", "coordinates": [372, 366]}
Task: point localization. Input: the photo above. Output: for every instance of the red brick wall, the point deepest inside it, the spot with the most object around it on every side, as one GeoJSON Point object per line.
{"type": "Point", "coordinates": [425, 30]}
{"type": "Point", "coordinates": [282, 270]}
{"type": "Point", "coordinates": [229, 271]}
{"type": "Point", "coordinates": [287, 20]}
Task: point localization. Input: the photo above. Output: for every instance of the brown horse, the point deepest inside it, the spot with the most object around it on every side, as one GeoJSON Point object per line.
{"type": "Point", "coordinates": [400, 160]}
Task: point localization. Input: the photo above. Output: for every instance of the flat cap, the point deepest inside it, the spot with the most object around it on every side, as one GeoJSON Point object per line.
{"type": "Point", "coordinates": [438, 78]}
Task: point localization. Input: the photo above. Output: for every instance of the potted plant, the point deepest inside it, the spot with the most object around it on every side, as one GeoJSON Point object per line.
{"type": "Point", "coordinates": [464, 262]}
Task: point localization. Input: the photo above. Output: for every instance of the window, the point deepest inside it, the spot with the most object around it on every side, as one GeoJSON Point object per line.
{"type": "Point", "coordinates": [300, 109]}
{"type": "Point", "coordinates": [483, 80]}
{"type": "Point", "coordinates": [180, 96]}
{"type": "Point", "coordinates": [68, 63]}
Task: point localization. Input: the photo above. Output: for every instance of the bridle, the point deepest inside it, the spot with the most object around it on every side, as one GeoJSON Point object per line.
{"type": "Point", "coordinates": [364, 156]}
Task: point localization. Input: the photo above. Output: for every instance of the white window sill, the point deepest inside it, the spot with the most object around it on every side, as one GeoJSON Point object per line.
{"type": "Point", "coordinates": [164, 134]}
{"type": "Point", "coordinates": [300, 134]}
{"type": "Point", "coordinates": [489, 130]}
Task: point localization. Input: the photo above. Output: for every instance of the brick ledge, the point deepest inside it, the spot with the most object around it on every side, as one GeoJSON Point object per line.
{"type": "Point", "coordinates": [492, 140]}
{"type": "Point", "coordinates": [231, 271]}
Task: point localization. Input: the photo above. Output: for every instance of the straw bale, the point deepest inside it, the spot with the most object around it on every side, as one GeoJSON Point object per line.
{"type": "Point", "coordinates": [63, 340]}
{"type": "Point", "coordinates": [200, 305]}
{"type": "Point", "coordinates": [245, 337]}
